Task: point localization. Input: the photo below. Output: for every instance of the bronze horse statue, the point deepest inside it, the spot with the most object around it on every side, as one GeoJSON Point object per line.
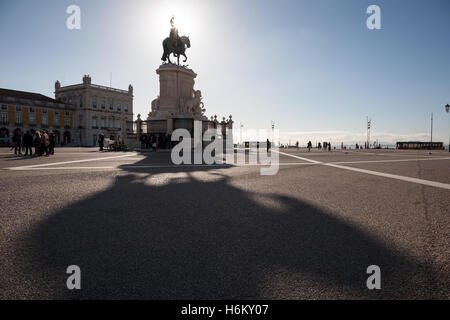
{"type": "Point", "coordinates": [176, 47]}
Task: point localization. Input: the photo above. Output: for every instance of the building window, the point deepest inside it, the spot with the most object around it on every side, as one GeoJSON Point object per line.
{"type": "Point", "coordinates": [32, 119]}
{"type": "Point", "coordinates": [111, 123]}
{"type": "Point", "coordinates": [126, 108]}
{"type": "Point", "coordinates": [18, 118]}
{"type": "Point", "coordinates": [67, 122]}
{"type": "Point", "coordinates": [67, 114]}
{"type": "Point", "coordinates": [94, 123]}
{"type": "Point", "coordinates": [81, 102]}
{"type": "Point", "coordinates": [56, 120]}
{"type": "Point", "coordinates": [118, 107]}
{"type": "Point", "coordinates": [4, 107]}
{"type": "Point", "coordinates": [118, 124]}
{"type": "Point", "coordinates": [103, 104]}
{"type": "Point", "coordinates": [103, 123]}
{"type": "Point", "coordinates": [94, 103]}
{"type": "Point", "coordinates": [111, 106]}
{"type": "Point", "coordinates": [44, 111]}
{"type": "Point", "coordinates": [18, 108]}
{"type": "Point", "coordinates": [4, 118]}
{"type": "Point", "coordinates": [44, 120]}
{"type": "Point", "coordinates": [31, 110]}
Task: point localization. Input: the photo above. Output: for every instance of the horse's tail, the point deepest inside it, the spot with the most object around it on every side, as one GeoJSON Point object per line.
{"type": "Point", "coordinates": [165, 50]}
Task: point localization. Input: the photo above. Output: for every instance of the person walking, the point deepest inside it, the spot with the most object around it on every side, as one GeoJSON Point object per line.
{"type": "Point", "coordinates": [52, 140]}
{"type": "Point", "coordinates": [153, 140]}
{"type": "Point", "coordinates": [329, 146]}
{"type": "Point", "coordinates": [101, 141]}
{"type": "Point", "coordinates": [37, 143]}
{"type": "Point", "coordinates": [45, 143]}
{"type": "Point", "coordinates": [17, 140]}
{"type": "Point", "coordinates": [28, 142]}
{"type": "Point", "coordinates": [146, 141]}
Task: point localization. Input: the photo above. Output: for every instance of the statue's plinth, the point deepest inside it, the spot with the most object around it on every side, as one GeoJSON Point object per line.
{"type": "Point", "coordinates": [176, 86]}
{"type": "Point", "coordinates": [177, 102]}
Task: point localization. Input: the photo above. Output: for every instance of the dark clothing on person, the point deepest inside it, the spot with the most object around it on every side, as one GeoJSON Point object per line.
{"type": "Point", "coordinates": [52, 143]}
{"type": "Point", "coordinates": [28, 143]}
{"type": "Point", "coordinates": [101, 141]}
{"type": "Point", "coordinates": [17, 139]}
{"type": "Point", "coordinates": [37, 144]}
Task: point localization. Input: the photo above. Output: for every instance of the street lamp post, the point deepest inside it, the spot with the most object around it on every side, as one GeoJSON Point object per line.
{"type": "Point", "coordinates": [240, 133]}
{"type": "Point", "coordinates": [273, 128]}
{"type": "Point", "coordinates": [447, 109]}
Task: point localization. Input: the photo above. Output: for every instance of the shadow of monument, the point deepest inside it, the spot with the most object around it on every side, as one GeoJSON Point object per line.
{"type": "Point", "coordinates": [188, 233]}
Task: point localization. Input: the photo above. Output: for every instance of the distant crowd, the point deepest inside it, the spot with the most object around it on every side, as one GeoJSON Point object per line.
{"type": "Point", "coordinates": [43, 143]}
{"type": "Point", "coordinates": [154, 142]}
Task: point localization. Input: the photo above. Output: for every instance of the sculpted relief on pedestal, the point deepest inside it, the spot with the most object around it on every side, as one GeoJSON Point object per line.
{"type": "Point", "coordinates": [194, 105]}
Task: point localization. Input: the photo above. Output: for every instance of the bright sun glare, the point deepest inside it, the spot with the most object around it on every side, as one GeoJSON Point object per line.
{"type": "Point", "coordinates": [185, 14]}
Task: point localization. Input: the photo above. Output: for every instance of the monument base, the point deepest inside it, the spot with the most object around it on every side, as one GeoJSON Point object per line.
{"type": "Point", "coordinates": [178, 104]}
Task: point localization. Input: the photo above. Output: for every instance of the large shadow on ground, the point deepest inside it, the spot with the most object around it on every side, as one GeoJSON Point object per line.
{"type": "Point", "coordinates": [172, 234]}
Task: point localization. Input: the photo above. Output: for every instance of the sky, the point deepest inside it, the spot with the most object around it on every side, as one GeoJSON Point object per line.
{"type": "Point", "coordinates": [313, 67]}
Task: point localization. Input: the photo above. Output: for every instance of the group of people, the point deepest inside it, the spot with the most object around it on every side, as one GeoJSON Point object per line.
{"type": "Point", "coordinates": [156, 141]}
{"type": "Point", "coordinates": [43, 142]}
{"type": "Point", "coordinates": [324, 146]}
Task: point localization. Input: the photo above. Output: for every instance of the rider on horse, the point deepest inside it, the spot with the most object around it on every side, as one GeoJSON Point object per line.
{"type": "Point", "coordinates": [174, 35]}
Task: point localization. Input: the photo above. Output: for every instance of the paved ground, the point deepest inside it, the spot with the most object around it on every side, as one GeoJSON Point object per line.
{"type": "Point", "coordinates": [140, 227]}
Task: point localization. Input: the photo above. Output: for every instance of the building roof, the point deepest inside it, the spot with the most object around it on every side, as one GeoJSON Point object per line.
{"type": "Point", "coordinates": [95, 86]}
{"type": "Point", "coordinates": [30, 98]}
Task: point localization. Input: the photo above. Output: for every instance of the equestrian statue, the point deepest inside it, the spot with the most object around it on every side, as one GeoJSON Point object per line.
{"type": "Point", "coordinates": [175, 44]}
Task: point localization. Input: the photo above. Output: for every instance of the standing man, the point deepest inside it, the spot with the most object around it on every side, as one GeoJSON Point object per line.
{"type": "Point", "coordinates": [17, 139]}
{"type": "Point", "coordinates": [52, 140]}
{"type": "Point", "coordinates": [101, 140]}
{"type": "Point", "coordinates": [28, 142]}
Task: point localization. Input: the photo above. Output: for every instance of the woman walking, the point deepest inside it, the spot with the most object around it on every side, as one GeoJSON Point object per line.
{"type": "Point", "coordinates": [37, 143]}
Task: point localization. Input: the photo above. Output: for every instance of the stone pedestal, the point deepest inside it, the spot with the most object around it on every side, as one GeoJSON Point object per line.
{"type": "Point", "coordinates": [176, 86]}
{"type": "Point", "coordinates": [176, 93]}
{"type": "Point", "coordinates": [178, 103]}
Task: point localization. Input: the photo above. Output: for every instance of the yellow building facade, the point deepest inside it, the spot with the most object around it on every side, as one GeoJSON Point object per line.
{"type": "Point", "coordinates": [34, 112]}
